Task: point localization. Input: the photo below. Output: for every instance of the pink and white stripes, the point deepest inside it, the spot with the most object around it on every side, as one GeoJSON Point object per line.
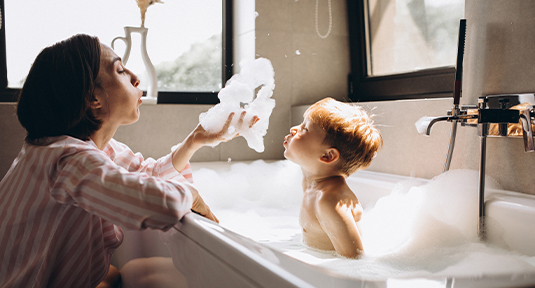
{"type": "Point", "coordinates": [62, 206]}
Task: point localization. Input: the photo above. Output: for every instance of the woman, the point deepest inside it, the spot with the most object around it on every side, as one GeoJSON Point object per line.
{"type": "Point", "coordinates": [73, 187]}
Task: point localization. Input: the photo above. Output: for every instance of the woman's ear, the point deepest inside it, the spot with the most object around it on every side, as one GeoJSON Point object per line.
{"type": "Point", "coordinates": [98, 98]}
{"type": "Point", "coordinates": [95, 103]}
{"type": "Point", "coordinates": [330, 156]}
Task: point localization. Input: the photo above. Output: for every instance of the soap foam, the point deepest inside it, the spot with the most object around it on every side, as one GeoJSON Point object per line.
{"type": "Point", "coordinates": [422, 124]}
{"type": "Point", "coordinates": [416, 231]}
{"type": "Point", "coordinates": [238, 92]}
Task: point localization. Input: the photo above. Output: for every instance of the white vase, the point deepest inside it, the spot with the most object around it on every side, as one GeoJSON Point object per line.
{"type": "Point", "coordinates": [152, 89]}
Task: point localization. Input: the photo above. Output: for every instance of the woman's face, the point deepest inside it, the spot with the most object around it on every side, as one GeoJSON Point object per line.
{"type": "Point", "coordinates": [120, 97]}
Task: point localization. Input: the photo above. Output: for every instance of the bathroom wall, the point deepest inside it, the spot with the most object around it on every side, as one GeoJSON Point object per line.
{"type": "Point", "coordinates": [11, 136]}
{"type": "Point", "coordinates": [308, 68]}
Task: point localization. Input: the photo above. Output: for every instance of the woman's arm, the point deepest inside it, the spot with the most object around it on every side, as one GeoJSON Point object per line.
{"type": "Point", "coordinates": [90, 180]}
{"type": "Point", "coordinates": [163, 167]}
{"type": "Point", "coordinates": [195, 140]}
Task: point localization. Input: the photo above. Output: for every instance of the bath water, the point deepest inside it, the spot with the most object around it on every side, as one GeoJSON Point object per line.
{"type": "Point", "coordinates": [416, 231]}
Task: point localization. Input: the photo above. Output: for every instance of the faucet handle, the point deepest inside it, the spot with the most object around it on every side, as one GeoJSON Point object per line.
{"type": "Point", "coordinates": [527, 129]}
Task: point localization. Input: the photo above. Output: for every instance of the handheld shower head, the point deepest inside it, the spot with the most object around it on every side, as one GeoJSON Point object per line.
{"type": "Point", "coordinates": [459, 64]}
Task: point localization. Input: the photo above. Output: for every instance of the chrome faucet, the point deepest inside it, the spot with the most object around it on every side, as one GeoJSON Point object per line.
{"type": "Point", "coordinates": [527, 128]}
{"type": "Point", "coordinates": [495, 116]}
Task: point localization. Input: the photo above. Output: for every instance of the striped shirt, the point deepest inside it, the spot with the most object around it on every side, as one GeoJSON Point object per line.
{"type": "Point", "coordinates": [62, 206]}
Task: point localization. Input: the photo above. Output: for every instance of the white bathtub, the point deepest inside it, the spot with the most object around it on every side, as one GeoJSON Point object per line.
{"type": "Point", "coordinates": [209, 255]}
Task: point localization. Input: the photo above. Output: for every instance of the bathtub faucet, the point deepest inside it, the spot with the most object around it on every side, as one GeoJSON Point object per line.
{"type": "Point", "coordinates": [461, 115]}
{"type": "Point", "coordinates": [466, 115]}
{"type": "Point", "coordinates": [495, 116]}
{"type": "Point", "coordinates": [508, 116]}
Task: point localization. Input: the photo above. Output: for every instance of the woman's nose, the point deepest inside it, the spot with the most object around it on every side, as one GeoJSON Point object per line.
{"type": "Point", "coordinates": [293, 131]}
{"type": "Point", "coordinates": [133, 79]}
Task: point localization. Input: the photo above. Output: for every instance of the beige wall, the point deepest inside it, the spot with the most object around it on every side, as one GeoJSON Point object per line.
{"type": "Point", "coordinates": [11, 136]}
{"type": "Point", "coordinates": [284, 26]}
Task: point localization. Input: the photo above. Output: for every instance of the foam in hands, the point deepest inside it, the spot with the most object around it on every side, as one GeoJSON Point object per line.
{"type": "Point", "coordinates": [237, 96]}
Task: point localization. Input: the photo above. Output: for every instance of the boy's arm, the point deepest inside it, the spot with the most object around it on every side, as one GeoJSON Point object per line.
{"type": "Point", "coordinates": [338, 221]}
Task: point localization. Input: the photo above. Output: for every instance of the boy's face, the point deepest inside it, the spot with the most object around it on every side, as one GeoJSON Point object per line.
{"type": "Point", "coordinates": [305, 144]}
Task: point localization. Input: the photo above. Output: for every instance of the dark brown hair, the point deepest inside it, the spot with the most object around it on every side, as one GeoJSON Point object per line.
{"type": "Point", "coordinates": [56, 96]}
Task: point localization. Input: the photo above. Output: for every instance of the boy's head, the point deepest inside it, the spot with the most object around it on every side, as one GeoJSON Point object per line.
{"type": "Point", "coordinates": [349, 129]}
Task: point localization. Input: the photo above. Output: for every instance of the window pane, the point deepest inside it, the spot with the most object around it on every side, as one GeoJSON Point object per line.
{"type": "Point", "coordinates": [183, 42]}
{"type": "Point", "coordinates": [410, 35]}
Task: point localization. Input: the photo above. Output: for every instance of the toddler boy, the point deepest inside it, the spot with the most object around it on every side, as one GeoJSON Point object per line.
{"type": "Point", "coordinates": [335, 140]}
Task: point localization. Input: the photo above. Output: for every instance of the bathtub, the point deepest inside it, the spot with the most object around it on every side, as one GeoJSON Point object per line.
{"type": "Point", "coordinates": [212, 255]}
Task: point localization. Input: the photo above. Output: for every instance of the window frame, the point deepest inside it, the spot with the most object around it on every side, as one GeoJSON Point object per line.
{"type": "Point", "coordinates": [164, 97]}
{"type": "Point", "coordinates": [428, 83]}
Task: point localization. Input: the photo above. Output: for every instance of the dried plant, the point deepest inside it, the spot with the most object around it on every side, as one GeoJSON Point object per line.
{"type": "Point", "coordinates": [143, 5]}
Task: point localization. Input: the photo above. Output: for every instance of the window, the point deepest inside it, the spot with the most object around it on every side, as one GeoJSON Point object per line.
{"type": "Point", "coordinates": [403, 49]}
{"type": "Point", "coordinates": [187, 42]}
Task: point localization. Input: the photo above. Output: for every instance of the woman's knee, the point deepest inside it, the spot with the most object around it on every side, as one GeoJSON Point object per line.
{"type": "Point", "coordinates": [112, 279]}
{"type": "Point", "coordinates": [151, 272]}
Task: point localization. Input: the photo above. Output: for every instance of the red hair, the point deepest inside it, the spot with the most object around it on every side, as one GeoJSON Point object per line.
{"type": "Point", "coordinates": [350, 130]}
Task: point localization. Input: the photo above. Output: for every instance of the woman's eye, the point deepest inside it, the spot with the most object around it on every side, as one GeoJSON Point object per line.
{"type": "Point", "coordinates": [121, 71]}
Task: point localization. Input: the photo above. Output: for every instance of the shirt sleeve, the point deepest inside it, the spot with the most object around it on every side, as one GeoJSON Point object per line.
{"type": "Point", "coordinates": [123, 156]}
{"type": "Point", "coordinates": [130, 199]}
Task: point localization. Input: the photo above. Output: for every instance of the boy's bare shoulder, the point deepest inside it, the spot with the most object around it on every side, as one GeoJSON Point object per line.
{"type": "Point", "coordinates": [332, 196]}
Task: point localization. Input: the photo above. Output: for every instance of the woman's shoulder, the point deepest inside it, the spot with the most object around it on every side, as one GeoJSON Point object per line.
{"type": "Point", "coordinates": [62, 149]}
{"type": "Point", "coordinates": [116, 145]}
{"type": "Point", "coordinates": [67, 142]}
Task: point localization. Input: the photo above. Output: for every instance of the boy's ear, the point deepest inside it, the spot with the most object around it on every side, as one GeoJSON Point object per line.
{"type": "Point", "coordinates": [330, 156]}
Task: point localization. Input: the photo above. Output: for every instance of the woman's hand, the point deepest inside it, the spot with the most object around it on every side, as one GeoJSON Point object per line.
{"type": "Point", "coordinates": [202, 137]}
{"type": "Point", "coordinates": [199, 206]}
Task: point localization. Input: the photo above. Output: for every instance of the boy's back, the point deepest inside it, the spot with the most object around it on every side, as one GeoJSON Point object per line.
{"type": "Point", "coordinates": [328, 216]}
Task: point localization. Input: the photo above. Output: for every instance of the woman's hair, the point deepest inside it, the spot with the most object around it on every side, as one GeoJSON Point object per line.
{"type": "Point", "coordinates": [56, 96]}
{"type": "Point", "coordinates": [350, 130]}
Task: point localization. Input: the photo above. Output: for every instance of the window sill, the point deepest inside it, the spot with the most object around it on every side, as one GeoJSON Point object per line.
{"type": "Point", "coordinates": [10, 95]}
